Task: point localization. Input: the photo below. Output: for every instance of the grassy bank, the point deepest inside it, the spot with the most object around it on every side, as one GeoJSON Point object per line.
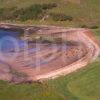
{"type": "Point", "coordinates": [86, 13]}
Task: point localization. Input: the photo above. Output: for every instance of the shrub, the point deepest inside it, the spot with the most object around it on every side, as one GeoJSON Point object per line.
{"type": "Point", "coordinates": [32, 12]}
{"type": "Point", "coordinates": [48, 6]}
{"type": "Point", "coordinates": [36, 11]}
{"type": "Point", "coordinates": [61, 17]}
{"type": "Point", "coordinates": [94, 27]}
{"type": "Point", "coordinates": [84, 26]}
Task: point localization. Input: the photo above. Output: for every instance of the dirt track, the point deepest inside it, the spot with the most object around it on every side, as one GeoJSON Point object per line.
{"type": "Point", "coordinates": [89, 52]}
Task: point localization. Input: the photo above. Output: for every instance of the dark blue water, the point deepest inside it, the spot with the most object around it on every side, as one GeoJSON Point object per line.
{"type": "Point", "coordinates": [9, 40]}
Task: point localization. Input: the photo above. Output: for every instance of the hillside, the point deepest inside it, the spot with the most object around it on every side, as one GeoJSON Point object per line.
{"type": "Point", "coordinates": [84, 13]}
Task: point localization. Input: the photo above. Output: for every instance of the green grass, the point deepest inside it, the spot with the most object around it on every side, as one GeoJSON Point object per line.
{"type": "Point", "coordinates": [22, 3]}
{"type": "Point", "coordinates": [85, 13]}
{"type": "Point", "coordinates": [97, 32]}
{"type": "Point", "coordinates": [86, 85]}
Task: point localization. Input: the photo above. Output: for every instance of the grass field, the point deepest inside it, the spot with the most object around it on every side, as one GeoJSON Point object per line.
{"type": "Point", "coordinates": [81, 85]}
{"type": "Point", "coordinates": [87, 12]}
{"type": "Point", "coordinates": [97, 32]}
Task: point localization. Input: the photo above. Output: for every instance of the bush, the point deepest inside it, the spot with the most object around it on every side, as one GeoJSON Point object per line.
{"type": "Point", "coordinates": [94, 27]}
{"type": "Point", "coordinates": [36, 11]}
{"type": "Point", "coordinates": [32, 12]}
{"type": "Point", "coordinates": [84, 26]}
{"type": "Point", "coordinates": [61, 17]}
{"type": "Point", "coordinates": [48, 6]}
